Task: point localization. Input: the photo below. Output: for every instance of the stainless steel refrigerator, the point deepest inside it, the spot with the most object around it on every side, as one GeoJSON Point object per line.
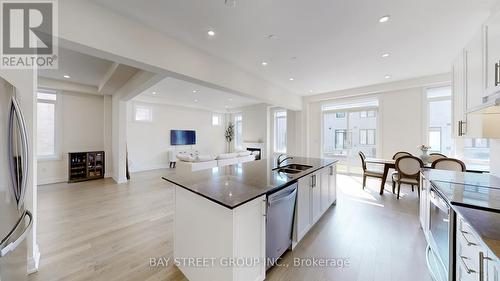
{"type": "Point", "coordinates": [15, 220]}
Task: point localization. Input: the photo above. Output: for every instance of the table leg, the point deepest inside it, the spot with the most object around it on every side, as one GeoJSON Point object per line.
{"type": "Point", "coordinates": [382, 184]}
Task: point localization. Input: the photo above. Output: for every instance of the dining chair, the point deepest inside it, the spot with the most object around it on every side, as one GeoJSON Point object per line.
{"type": "Point", "coordinates": [435, 156]}
{"type": "Point", "coordinates": [450, 164]}
{"type": "Point", "coordinates": [396, 156]}
{"type": "Point", "coordinates": [366, 172]}
{"type": "Point", "coordinates": [400, 154]}
{"type": "Point", "coordinates": [408, 172]}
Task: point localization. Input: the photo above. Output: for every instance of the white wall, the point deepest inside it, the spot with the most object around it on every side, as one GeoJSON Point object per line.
{"type": "Point", "coordinates": [80, 127]}
{"type": "Point", "coordinates": [148, 143]}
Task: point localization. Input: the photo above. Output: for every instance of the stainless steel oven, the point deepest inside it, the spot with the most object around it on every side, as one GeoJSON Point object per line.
{"type": "Point", "coordinates": [441, 225]}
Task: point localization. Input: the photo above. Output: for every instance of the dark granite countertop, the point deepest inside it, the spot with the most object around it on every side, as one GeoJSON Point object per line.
{"type": "Point", "coordinates": [475, 197]}
{"type": "Point", "coordinates": [486, 224]}
{"type": "Point", "coordinates": [234, 185]}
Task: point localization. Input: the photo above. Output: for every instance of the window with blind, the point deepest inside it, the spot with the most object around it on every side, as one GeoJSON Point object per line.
{"type": "Point", "coordinates": [280, 131]}
{"type": "Point", "coordinates": [46, 124]}
{"type": "Point", "coordinates": [238, 131]}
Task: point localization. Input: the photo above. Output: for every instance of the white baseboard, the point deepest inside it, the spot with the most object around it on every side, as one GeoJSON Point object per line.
{"type": "Point", "coordinates": [51, 181]}
{"type": "Point", "coordinates": [34, 261]}
{"type": "Point", "coordinates": [149, 168]}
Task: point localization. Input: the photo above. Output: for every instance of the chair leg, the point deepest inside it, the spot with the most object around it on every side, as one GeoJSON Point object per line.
{"type": "Point", "coordinates": [393, 186]}
{"type": "Point", "coordinates": [412, 188]}
{"type": "Point", "coordinates": [364, 181]}
{"type": "Point", "coordinates": [399, 188]}
{"type": "Point", "coordinates": [418, 190]}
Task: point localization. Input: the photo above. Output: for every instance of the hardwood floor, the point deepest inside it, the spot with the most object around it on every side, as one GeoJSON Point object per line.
{"type": "Point", "coordinates": [103, 231]}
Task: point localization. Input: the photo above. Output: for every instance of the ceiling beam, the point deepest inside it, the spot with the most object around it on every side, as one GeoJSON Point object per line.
{"type": "Point", "coordinates": [107, 76]}
{"type": "Point", "coordinates": [54, 84]}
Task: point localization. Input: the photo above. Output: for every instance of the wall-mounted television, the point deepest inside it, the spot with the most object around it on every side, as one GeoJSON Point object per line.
{"type": "Point", "coordinates": [182, 137]}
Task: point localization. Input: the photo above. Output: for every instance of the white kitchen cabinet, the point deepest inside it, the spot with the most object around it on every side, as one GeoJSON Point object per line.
{"type": "Point", "coordinates": [316, 193]}
{"type": "Point", "coordinates": [303, 220]}
{"type": "Point", "coordinates": [424, 205]}
{"type": "Point", "coordinates": [492, 49]}
{"type": "Point", "coordinates": [333, 184]}
{"type": "Point", "coordinates": [474, 71]}
{"type": "Point", "coordinates": [492, 267]}
{"type": "Point", "coordinates": [458, 89]}
{"type": "Point", "coordinates": [325, 189]}
{"type": "Point", "coordinates": [316, 196]}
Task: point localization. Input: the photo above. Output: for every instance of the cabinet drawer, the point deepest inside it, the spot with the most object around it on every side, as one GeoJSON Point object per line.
{"type": "Point", "coordinates": [466, 234]}
{"type": "Point", "coordinates": [467, 261]}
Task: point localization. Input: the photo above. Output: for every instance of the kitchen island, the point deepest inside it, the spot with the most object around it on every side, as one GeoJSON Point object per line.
{"type": "Point", "coordinates": [220, 214]}
{"type": "Point", "coordinates": [460, 216]}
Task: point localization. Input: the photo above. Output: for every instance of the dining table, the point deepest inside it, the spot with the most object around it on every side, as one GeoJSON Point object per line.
{"type": "Point", "coordinates": [391, 164]}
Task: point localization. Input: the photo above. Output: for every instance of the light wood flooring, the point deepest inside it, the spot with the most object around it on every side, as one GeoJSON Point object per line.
{"type": "Point", "coordinates": [100, 230]}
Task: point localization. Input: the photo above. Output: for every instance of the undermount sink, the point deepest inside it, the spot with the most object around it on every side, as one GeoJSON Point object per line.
{"type": "Point", "coordinates": [297, 167]}
{"type": "Point", "coordinates": [287, 171]}
{"type": "Point", "coordinates": [292, 168]}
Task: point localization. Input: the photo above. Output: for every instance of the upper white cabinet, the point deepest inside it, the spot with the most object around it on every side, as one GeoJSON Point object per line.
{"type": "Point", "coordinates": [473, 76]}
{"type": "Point", "coordinates": [474, 72]}
{"type": "Point", "coordinates": [492, 50]}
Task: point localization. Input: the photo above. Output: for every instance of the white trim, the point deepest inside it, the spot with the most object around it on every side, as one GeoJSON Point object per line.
{"type": "Point", "coordinates": [34, 261]}
{"type": "Point", "coordinates": [58, 128]}
{"type": "Point", "coordinates": [148, 168]}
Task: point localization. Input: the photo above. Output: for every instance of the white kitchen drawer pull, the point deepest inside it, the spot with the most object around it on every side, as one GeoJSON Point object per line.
{"type": "Point", "coordinates": [469, 243]}
{"type": "Point", "coordinates": [467, 269]}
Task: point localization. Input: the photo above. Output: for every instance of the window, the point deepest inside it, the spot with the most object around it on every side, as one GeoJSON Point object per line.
{"type": "Point", "coordinates": [367, 136]}
{"type": "Point", "coordinates": [340, 138]}
{"type": "Point", "coordinates": [280, 131]}
{"type": "Point", "coordinates": [216, 120]}
{"type": "Point", "coordinates": [368, 114]}
{"type": "Point", "coordinates": [46, 124]}
{"type": "Point", "coordinates": [238, 131]}
{"type": "Point", "coordinates": [435, 139]}
{"type": "Point", "coordinates": [439, 131]}
{"type": "Point", "coordinates": [340, 115]}
{"type": "Point", "coordinates": [143, 113]}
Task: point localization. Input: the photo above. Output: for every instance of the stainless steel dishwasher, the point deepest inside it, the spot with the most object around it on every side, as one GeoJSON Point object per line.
{"type": "Point", "coordinates": [280, 214]}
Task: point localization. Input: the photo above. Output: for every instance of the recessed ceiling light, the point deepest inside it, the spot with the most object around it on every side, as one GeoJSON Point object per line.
{"type": "Point", "coordinates": [211, 33]}
{"type": "Point", "coordinates": [264, 63]}
{"type": "Point", "coordinates": [387, 76]}
{"type": "Point", "coordinates": [310, 91]}
{"type": "Point", "coordinates": [271, 36]}
{"type": "Point", "coordinates": [384, 18]}
{"type": "Point", "coordinates": [154, 93]}
{"type": "Point", "coordinates": [385, 55]}
{"type": "Point", "coordinates": [291, 79]}
{"type": "Point", "coordinates": [195, 91]}
{"type": "Point", "coordinates": [195, 100]}
{"type": "Point", "coordinates": [67, 76]}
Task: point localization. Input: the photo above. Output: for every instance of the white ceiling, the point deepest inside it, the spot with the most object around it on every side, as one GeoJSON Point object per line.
{"type": "Point", "coordinates": [82, 68]}
{"type": "Point", "coordinates": [324, 45]}
{"type": "Point", "coordinates": [183, 93]}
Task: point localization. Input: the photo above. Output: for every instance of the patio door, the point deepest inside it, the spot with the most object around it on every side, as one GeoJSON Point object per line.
{"type": "Point", "coordinates": [346, 131]}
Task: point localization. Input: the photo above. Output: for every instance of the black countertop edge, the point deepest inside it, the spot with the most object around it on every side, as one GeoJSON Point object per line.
{"type": "Point", "coordinates": [272, 190]}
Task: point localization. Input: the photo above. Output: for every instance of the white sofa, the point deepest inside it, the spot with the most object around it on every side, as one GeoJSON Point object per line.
{"type": "Point", "coordinates": [197, 163]}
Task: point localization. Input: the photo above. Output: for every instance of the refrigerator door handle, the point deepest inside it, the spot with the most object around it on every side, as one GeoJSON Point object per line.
{"type": "Point", "coordinates": [19, 181]}
{"type": "Point", "coordinates": [5, 249]}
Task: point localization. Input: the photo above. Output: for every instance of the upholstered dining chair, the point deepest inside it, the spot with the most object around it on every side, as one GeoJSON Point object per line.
{"type": "Point", "coordinates": [396, 156]}
{"type": "Point", "coordinates": [450, 164]}
{"type": "Point", "coordinates": [408, 172]}
{"type": "Point", "coordinates": [435, 156]}
{"type": "Point", "coordinates": [400, 154]}
{"type": "Point", "coordinates": [366, 172]}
